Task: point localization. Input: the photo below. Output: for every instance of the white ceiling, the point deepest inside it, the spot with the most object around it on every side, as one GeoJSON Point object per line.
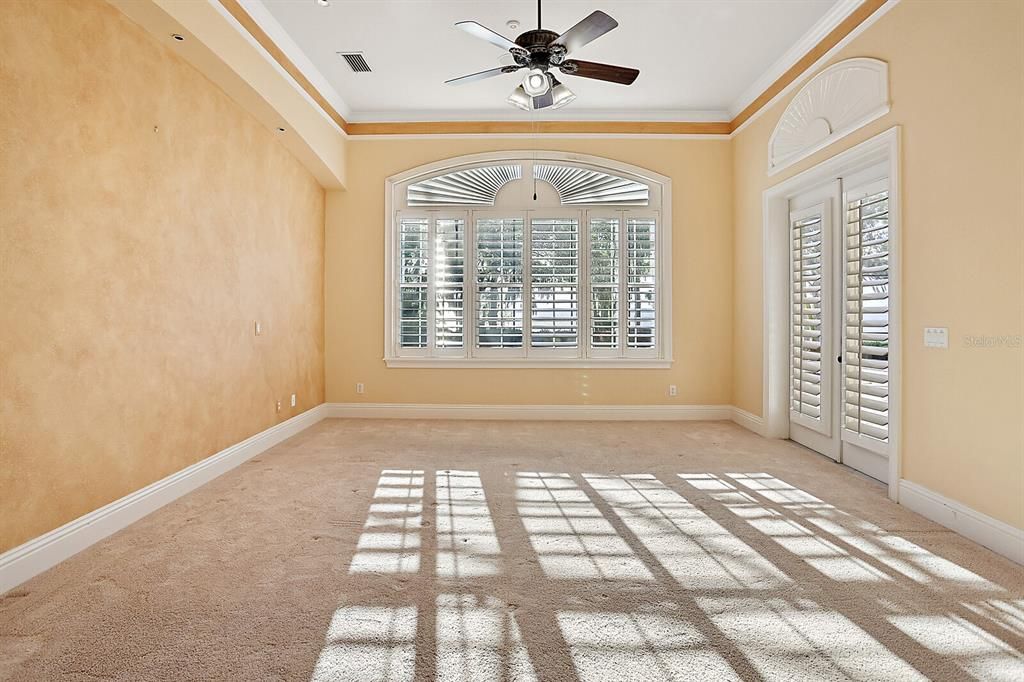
{"type": "Point", "coordinates": [698, 59]}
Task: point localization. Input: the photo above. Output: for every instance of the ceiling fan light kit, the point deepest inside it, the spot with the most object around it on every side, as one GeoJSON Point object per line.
{"type": "Point", "coordinates": [560, 94]}
{"type": "Point", "coordinates": [520, 99]}
{"type": "Point", "coordinates": [541, 50]}
{"type": "Point", "coordinates": [536, 82]}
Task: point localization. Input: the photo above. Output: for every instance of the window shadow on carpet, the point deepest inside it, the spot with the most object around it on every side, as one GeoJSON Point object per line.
{"type": "Point", "coordinates": [534, 575]}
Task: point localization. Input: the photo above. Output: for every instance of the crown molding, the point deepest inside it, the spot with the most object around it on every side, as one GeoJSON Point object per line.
{"type": "Point", "coordinates": [541, 128]}
{"type": "Point", "coordinates": [448, 115]}
{"type": "Point", "coordinates": [852, 25]}
{"type": "Point", "coordinates": [275, 31]}
{"type": "Point", "coordinates": [844, 21]}
{"type": "Point", "coordinates": [531, 136]}
{"type": "Point", "coordinates": [256, 32]}
{"type": "Point", "coordinates": [828, 23]}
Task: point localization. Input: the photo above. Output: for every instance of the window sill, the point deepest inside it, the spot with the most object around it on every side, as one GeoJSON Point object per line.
{"type": "Point", "coordinates": [528, 363]}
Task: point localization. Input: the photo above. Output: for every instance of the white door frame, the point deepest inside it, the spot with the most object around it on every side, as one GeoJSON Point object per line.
{"type": "Point", "coordinates": [884, 147]}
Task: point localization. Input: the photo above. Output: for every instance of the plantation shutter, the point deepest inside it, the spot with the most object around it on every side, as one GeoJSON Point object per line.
{"type": "Point", "coordinates": [413, 281]}
{"type": "Point", "coordinates": [605, 283]}
{"type": "Point", "coordinates": [567, 277]}
{"type": "Point", "coordinates": [641, 278]}
{"type": "Point", "coordinates": [810, 402]}
{"type": "Point", "coordinates": [866, 302]}
{"type": "Point", "coordinates": [449, 282]}
{"type": "Point", "coordinates": [499, 282]}
{"type": "Point", "coordinates": [554, 282]}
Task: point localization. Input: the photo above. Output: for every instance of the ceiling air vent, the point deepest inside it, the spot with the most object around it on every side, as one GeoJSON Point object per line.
{"type": "Point", "coordinates": [355, 61]}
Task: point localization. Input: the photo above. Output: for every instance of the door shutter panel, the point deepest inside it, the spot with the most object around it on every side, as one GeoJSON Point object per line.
{"type": "Point", "coordinates": [866, 303]}
{"type": "Point", "coordinates": [810, 403]}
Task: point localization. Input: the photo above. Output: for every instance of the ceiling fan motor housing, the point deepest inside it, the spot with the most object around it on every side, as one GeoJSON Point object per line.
{"type": "Point", "coordinates": [537, 49]}
{"type": "Point", "coordinates": [541, 50]}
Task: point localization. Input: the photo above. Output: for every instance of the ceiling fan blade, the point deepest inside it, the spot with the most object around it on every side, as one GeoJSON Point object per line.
{"type": "Point", "coordinates": [484, 33]}
{"type": "Point", "coordinates": [480, 75]}
{"type": "Point", "coordinates": [601, 72]}
{"type": "Point", "coordinates": [591, 28]}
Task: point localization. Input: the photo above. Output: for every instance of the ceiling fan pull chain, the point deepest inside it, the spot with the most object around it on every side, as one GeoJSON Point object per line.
{"type": "Point", "coordinates": [533, 122]}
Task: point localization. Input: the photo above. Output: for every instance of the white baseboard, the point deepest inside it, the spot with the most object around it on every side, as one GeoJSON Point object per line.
{"type": "Point", "coordinates": [972, 524]}
{"type": "Point", "coordinates": [32, 558]}
{"type": "Point", "coordinates": [35, 556]}
{"type": "Point", "coordinates": [751, 422]}
{"type": "Point", "coordinates": [531, 412]}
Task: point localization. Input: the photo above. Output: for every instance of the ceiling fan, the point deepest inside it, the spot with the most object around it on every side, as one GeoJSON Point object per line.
{"type": "Point", "coordinates": [541, 50]}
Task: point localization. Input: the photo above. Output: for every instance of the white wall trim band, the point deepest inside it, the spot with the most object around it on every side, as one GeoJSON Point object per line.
{"type": "Point", "coordinates": [531, 412]}
{"type": "Point", "coordinates": [35, 556]}
{"type": "Point", "coordinates": [1000, 537]}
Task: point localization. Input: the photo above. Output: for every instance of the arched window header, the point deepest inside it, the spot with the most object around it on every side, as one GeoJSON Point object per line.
{"type": "Point", "coordinates": [582, 186]}
{"type": "Point", "coordinates": [469, 187]}
{"type": "Point", "coordinates": [574, 183]}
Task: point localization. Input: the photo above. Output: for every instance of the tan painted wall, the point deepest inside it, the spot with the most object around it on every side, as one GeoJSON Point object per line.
{"type": "Point", "coordinates": [956, 71]}
{"type": "Point", "coordinates": [701, 171]}
{"type": "Point", "coordinates": [133, 264]}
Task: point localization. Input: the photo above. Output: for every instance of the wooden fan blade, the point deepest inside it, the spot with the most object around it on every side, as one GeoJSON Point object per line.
{"type": "Point", "coordinates": [480, 75]}
{"type": "Point", "coordinates": [591, 28]}
{"type": "Point", "coordinates": [601, 72]}
{"type": "Point", "coordinates": [484, 33]}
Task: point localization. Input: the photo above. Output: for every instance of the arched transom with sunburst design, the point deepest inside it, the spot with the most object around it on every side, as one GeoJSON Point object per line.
{"type": "Point", "coordinates": [837, 101]}
{"type": "Point", "coordinates": [575, 185]}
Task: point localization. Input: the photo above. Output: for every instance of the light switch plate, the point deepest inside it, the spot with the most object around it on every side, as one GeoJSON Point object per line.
{"type": "Point", "coordinates": [936, 337]}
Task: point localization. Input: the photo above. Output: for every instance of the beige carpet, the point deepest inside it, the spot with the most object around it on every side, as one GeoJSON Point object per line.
{"type": "Point", "coordinates": [475, 551]}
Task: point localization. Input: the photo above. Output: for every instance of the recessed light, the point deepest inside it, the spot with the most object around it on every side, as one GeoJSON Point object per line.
{"type": "Point", "coordinates": [177, 36]}
{"type": "Point", "coordinates": [323, 3]}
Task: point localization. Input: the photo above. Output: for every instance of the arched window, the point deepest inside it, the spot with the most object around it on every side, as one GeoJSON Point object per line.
{"type": "Point", "coordinates": [528, 259]}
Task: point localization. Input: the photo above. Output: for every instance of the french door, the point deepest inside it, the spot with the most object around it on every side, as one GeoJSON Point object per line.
{"type": "Point", "coordinates": [839, 315]}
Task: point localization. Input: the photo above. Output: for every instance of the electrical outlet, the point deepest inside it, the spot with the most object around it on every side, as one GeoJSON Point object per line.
{"type": "Point", "coordinates": [278, 405]}
{"type": "Point", "coordinates": [360, 389]}
{"type": "Point", "coordinates": [258, 328]}
{"type": "Point", "coordinates": [293, 400]}
{"type": "Point", "coordinates": [672, 391]}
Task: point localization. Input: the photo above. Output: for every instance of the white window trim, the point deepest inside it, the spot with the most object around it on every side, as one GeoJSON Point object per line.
{"type": "Point", "coordinates": [394, 204]}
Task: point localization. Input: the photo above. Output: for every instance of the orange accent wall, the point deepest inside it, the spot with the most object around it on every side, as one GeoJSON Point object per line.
{"type": "Point", "coordinates": [146, 223]}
